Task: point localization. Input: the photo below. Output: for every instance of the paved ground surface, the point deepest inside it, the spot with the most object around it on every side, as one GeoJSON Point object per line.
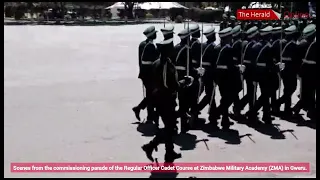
{"type": "Point", "coordinates": [68, 94]}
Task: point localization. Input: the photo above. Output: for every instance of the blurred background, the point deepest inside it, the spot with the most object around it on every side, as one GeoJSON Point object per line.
{"type": "Point", "coordinates": [139, 11]}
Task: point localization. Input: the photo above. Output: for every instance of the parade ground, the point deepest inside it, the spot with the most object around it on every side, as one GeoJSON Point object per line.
{"type": "Point", "coordinates": [68, 94]}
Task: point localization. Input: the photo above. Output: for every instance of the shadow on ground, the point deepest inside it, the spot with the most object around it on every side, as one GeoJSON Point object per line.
{"type": "Point", "coordinates": [299, 120]}
{"type": "Point", "coordinates": [146, 129]}
{"type": "Point", "coordinates": [186, 141]}
{"type": "Point", "coordinates": [231, 136]}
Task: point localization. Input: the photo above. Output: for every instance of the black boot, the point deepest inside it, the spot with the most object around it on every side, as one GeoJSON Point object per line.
{"type": "Point", "coordinates": [276, 110]}
{"type": "Point", "coordinates": [214, 125]}
{"type": "Point", "coordinates": [267, 119]}
{"type": "Point", "coordinates": [169, 157]}
{"type": "Point", "coordinates": [236, 111]}
{"type": "Point", "coordinates": [226, 123]}
{"type": "Point", "coordinates": [252, 119]}
{"type": "Point", "coordinates": [136, 111]}
{"type": "Point", "coordinates": [148, 149]}
{"type": "Point", "coordinates": [185, 120]}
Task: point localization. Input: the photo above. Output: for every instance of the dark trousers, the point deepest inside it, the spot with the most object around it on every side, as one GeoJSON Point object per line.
{"type": "Point", "coordinates": [147, 102]}
{"type": "Point", "coordinates": [275, 80]}
{"type": "Point", "coordinates": [238, 79]}
{"type": "Point", "coordinates": [184, 105]}
{"type": "Point", "coordinates": [264, 99]}
{"type": "Point", "coordinates": [208, 89]}
{"type": "Point", "coordinates": [290, 86]}
{"type": "Point", "coordinates": [228, 94]}
{"type": "Point", "coordinates": [166, 110]}
{"type": "Point", "coordinates": [307, 96]}
{"type": "Point", "coordinates": [213, 114]}
{"type": "Point", "coordinates": [248, 98]}
{"type": "Point", "coordinates": [193, 95]}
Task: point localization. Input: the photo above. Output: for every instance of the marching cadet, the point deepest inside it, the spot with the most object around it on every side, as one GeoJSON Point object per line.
{"type": "Point", "coordinates": [308, 82]}
{"type": "Point", "coordinates": [232, 22]}
{"type": "Point", "coordinates": [166, 86]}
{"type": "Point", "coordinates": [264, 66]}
{"type": "Point", "coordinates": [275, 78]}
{"type": "Point", "coordinates": [252, 38]}
{"type": "Point", "coordinates": [303, 23]}
{"type": "Point", "coordinates": [224, 23]}
{"type": "Point", "coordinates": [208, 63]}
{"type": "Point", "coordinates": [182, 59]}
{"type": "Point", "coordinates": [289, 73]}
{"type": "Point", "coordinates": [148, 53]}
{"type": "Point", "coordinates": [195, 54]}
{"type": "Point", "coordinates": [237, 53]}
{"type": "Point", "coordinates": [168, 34]}
{"type": "Point", "coordinates": [223, 76]}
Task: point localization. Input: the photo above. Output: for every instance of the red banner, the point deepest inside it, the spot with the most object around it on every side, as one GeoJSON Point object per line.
{"type": "Point", "coordinates": [257, 14]}
{"type": "Point", "coordinates": [147, 167]}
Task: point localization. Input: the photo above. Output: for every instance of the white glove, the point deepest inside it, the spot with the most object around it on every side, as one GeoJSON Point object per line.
{"type": "Point", "coordinates": [281, 66]}
{"type": "Point", "coordinates": [189, 79]}
{"type": "Point", "coordinates": [201, 71]}
{"type": "Point", "coordinates": [242, 68]}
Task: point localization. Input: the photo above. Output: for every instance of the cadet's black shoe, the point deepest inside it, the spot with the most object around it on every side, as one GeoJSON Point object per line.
{"type": "Point", "coordinates": [148, 149]}
{"type": "Point", "coordinates": [275, 112]}
{"type": "Point", "coordinates": [136, 111]}
{"type": "Point", "coordinates": [236, 111]}
{"type": "Point", "coordinates": [214, 125]}
{"type": "Point", "coordinates": [267, 119]}
{"type": "Point", "coordinates": [226, 123]}
{"type": "Point", "coordinates": [251, 115]}
{"type": "Point", "coordinates": [176, 131]}
{"type": "Point", "coordinates": [184, 129]}
{"type": "Point", "coordinates": [287, 114]}
{"type": "Point", "coordinates": [311, 114]}
{"type": "Point", "coordinates": [148, 121]}
{"type": "Point", "coordinates": [169, 157]}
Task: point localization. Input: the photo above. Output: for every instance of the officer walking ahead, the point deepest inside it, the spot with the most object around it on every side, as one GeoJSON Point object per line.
{"type": "Point", "coordinates": [166, 86]}
{"type": "Point", "coordinates": [148, 53]}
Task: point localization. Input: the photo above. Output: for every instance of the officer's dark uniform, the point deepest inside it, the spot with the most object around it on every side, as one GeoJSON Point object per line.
{"type": "Point", "coordinates": [307, 49]}
{"type": "Point", "coordinates": [195, 55]}
{"type": "Point", "coordinates": [224, 23]}
{"type": "Point", "coordinates": [208, 64]}
{"type": "Point", "coordinates": [166, 86]}
{"type": "Point", "coordinates": [148, 53]}
{"type": "Point", "coordinates": [275, 74]}
{"type": "Point", "coordinates": [247, 57]}
{"type": "Point", "coordinates": [181, 51]}
{"type": "Point", "coordinates": [224, 75]}
{"type": "Point", "coordinates": [303, 24]}
{"type": "Point", "coordinates": [168, 34]}
{"type": "Point", "coordinates": [237, 48]}
{"type": "Point", "coordinates": [263, 70]}
{"type": "Point", "coordinates": [289, 73]}
{"type": "Point", "coordinates": [232, 22]}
